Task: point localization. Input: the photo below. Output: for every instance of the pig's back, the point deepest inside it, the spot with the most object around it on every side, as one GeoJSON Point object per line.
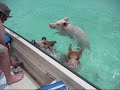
{"type": "Point", "coordinates": [80, 36]}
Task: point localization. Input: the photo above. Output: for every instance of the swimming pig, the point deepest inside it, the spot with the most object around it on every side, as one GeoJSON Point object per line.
{"type": "Point", "coordinates": [73, 57]}
{"type": "Point", "coordinates": [74, 32]}
{"type": "Point", "coordinates": [44, 44]}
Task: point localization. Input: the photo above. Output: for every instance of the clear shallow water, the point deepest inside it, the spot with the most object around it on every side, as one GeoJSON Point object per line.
{"type": "Point", "coordinates": [99, 18]}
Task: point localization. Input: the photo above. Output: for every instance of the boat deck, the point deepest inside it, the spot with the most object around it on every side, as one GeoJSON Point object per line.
{"type": "Point", "coordinates": [26, 83]}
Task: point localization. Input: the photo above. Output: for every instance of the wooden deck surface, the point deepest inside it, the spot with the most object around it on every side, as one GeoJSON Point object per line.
{"type": "Point", "coordinates": [26, 83]}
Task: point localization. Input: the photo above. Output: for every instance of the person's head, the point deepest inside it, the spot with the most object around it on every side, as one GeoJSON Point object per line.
{"type": "Point", "coordinates": [4, 12]}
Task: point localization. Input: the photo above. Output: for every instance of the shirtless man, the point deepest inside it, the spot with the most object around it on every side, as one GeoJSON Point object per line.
{"type": "Point", "coordinates": [4, 56]}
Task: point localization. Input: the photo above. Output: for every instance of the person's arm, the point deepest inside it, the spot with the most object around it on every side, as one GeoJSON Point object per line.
{"type": "Point", "coordinates": [2, 34]}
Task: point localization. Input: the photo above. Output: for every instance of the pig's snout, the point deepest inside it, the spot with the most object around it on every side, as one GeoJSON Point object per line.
{"type": "Point", "coordinates": [71, 65]}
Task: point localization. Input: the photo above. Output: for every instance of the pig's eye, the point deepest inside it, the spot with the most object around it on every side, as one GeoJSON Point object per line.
{"type": "Point", "coordinates": [57, 24]}
{"type": "Point", "coordinates": [77, 58]}
{"type": "Point", "coordinates": [44, 43]}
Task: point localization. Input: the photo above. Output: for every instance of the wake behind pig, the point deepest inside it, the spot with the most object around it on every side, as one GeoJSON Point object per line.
{"type": "Point", "coordinates": [74, 32]}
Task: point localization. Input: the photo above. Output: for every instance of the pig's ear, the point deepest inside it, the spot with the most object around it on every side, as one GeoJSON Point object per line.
{"type": "Point", "coordinates": [33, 42]}
{"type": "Point", "coordinates": [70, 49]}
{"type": "Point", "coordinates": [66, 18]}
{"type": "Point", "coordinates": [80, 52]}
{"type": "Point", "coordinates": [65, 24]}
{"type": "Point", "coordinates": [52, 43]}
{"type": "Point", "coordinates": [43, 38]}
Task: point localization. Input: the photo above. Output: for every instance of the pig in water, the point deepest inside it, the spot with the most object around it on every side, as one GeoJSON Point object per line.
{"type": "Point", "coordinates": [74, 32]}
{"type": "Point", "coordinates": [73, 57]}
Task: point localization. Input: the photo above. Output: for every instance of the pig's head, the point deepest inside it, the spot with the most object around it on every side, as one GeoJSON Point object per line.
{"type": "Point", "coordinates": [73, 57]}
{"type": "Point", "coordinates": [44, 43]}
{"type": "Point", "coordinates": [60, 25]}
{"type": "Point", "coordinates": [47, 44]}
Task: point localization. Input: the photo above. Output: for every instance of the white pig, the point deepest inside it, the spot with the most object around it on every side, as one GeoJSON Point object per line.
{"type": "Point", "coordinates": [74, 32]}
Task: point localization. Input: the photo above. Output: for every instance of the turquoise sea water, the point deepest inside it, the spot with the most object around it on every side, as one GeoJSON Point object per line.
{"type": "Point", "coordinates": [99, 18]}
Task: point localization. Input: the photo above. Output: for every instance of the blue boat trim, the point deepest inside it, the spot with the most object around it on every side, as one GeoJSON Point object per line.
{"type": "Point", "coordinates": [55, 86]}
